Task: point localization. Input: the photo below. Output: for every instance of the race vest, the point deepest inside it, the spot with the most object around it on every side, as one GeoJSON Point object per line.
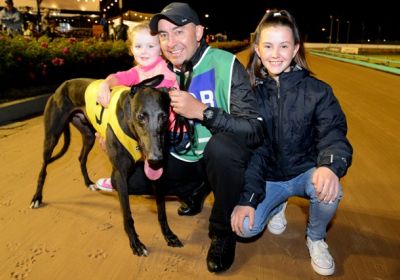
{"type": "Point", "coordinates": [99, 117]}
{"type": "Point", "coordinates": [211, 84]}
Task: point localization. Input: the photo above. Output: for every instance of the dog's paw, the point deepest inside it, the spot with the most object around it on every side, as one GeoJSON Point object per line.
{"type": "Point", "coordinates": [145, 252]}
{"type": "Point", "coordinates": [35, 204]}
{"type": "Point", "coordinates": [173, 241]}
{"type": "Point", "coordinates": [139, 249]}
{"type": "Point", "coordinates": [142, 252]}
{"type": "Point", "coordinates": [92, 187]}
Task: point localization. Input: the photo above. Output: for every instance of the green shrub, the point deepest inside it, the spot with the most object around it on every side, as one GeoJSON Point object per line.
{"type": "Point", "coordinates": [26, 62]}
{"type": "Point", "coordinates": [27, 65]}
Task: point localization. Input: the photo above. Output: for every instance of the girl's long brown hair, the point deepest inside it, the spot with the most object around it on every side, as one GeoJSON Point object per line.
{"type": "Point", "coordinates": [274, 18]}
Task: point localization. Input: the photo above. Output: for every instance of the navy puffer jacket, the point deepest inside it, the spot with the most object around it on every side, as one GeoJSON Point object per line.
{"type": "Point", "coordinates": [305, 127]}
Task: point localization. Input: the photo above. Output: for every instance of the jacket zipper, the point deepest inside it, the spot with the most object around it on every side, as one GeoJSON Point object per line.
{"type": "Point", "coordinates": [279, 134]}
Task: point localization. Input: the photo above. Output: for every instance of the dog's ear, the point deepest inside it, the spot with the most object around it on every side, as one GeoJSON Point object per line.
{"type": "Point", "coordinates": [151, 82]}
{"type": "Point", "coordinates": [134, 89]}
{"type": "Point", "coordinates": [165, 89]}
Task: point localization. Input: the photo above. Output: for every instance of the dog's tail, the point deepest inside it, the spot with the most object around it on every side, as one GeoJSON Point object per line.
{"type": "Point", "coordinates": [67, 141]}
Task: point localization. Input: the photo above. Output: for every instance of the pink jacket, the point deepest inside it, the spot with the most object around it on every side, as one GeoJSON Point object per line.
{"type": "Point", "coordinates": [137, 74]}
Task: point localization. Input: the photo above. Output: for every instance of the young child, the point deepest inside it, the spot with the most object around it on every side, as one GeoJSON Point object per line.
{"type": "Point", "coordinates": [305, 150]}
{"type": "Point", "coordinates": [145, 49]}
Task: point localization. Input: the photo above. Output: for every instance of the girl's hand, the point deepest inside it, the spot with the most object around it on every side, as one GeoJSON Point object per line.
{"type": "Point", "coordinates": [326, 184]}
{"type": "Point", "coordinates": [104, 95]}
{"type": "Point", "coordinates": [239, 213]}
{"type": "Point", "coordinates": [102, 142]}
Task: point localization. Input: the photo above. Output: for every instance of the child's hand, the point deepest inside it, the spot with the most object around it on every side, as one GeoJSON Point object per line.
{"type": "Point", "coordinates": [104, 96]}
{"type": "Point", "coordinates": [102, 142]}
{"type": "Point", "coordinates": [326, 184]}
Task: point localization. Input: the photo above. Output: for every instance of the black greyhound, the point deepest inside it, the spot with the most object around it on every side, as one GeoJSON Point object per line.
{"type": "Point", "coordinates": [142, 113]}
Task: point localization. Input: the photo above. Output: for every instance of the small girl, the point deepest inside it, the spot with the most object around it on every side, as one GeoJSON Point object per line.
{"type": "Point", "coordinates": [146, 51]}
{"type": "Point", "coordinates": [305, 150]}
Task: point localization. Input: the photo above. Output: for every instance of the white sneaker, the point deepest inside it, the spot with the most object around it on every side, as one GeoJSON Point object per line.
{"type": "Point", "coordinates": [104, 184]}
{"type": "Point", "coordinates": [277, 224]}
{"type": "Point", "coordinates": [321, 260]}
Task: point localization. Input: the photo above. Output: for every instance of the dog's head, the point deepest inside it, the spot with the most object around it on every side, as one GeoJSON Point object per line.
{"type": "Point", "coordinates": [148, 120]}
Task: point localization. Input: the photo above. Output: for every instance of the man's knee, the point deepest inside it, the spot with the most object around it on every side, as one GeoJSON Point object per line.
{"type": "Point", "coordinates": [224, 146]}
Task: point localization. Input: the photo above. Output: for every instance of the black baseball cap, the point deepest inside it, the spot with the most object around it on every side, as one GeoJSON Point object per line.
{"type": "Point", "coordinates": [177, 13]}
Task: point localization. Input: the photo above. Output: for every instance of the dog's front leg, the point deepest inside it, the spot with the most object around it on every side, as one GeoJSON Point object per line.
{"type": "Point", "coordinates": [170, 237]}
{"type": "Point", "coordinates": [120, 181]}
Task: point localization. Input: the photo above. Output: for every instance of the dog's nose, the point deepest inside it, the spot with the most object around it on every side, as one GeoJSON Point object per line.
{"type": "Point", "coordinates": [155, 161]}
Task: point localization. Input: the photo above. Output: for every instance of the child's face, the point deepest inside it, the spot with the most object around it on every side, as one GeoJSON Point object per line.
{"type": "Point", "coordinates": [145, 48]}
{"type": "Point", "coordinates": [276, 49]}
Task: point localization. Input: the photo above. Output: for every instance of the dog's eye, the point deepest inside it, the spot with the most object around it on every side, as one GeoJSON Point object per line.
{"type": "Point", "coordinates": [141, 117]}
{"type": "Point", "coordinates": [163, 117]}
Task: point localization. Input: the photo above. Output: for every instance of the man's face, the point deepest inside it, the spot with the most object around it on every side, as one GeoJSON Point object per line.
{"type": "Point", "coordinates": [179, 43]}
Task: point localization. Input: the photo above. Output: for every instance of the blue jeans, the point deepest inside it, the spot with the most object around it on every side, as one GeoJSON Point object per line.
{"type": "Point", "coordinates": [320, 212]}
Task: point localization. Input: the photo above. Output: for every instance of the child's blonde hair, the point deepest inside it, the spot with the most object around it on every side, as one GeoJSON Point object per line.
{"type": "Point", "coordinates": [143, 25]}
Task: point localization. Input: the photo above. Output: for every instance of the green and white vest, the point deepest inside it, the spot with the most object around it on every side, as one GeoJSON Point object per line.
{"type": "Point", "coordinates": [211, 84]}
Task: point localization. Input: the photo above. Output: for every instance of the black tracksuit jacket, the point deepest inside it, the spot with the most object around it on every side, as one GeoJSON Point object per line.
{"type": "Point", "coordinates": [244, 119]}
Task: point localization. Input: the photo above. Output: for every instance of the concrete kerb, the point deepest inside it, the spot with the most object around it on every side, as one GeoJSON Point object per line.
{"type": "Point", "coordinates": [20, 109]}
{"type": "Point", "coordinates": [361, 63]}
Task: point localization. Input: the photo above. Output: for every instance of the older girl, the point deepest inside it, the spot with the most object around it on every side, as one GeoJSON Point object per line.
{"type": "Point", "coordinates": [305, 150]}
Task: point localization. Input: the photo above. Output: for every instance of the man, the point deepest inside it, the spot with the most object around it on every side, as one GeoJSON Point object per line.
{"type": "Point", "coordinates": [11, 19]}
{"type": "Point", "coordinates": [220, 105]}
{"type": "Point", "coordinates": [121, 30]}
{"type": "Point", "coordinates": [104, 23]}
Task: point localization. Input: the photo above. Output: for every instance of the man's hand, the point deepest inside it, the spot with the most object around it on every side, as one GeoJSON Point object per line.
{"type": "Point", "coordinates": [237, 218]}
{"type": "Point", "coordinates": [186, 105]}
{"type": "Point", "coordinates": [326, 184]}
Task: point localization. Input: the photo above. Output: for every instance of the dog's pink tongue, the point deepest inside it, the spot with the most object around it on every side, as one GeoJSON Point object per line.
{"type": "Point", "coordinates": [152, 174]}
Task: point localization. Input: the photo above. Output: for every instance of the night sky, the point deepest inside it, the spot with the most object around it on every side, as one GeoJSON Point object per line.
{"type": "Point", "coordinates": [377, 22]}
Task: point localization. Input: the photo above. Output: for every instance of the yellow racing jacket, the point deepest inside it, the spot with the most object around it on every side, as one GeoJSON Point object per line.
{"type": "Point", "coordinates": [100, 117]}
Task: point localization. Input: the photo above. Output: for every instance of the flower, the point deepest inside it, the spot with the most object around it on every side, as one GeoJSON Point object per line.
{"type": "Point", "coordinates": [65, 50]}
{"type": "Point", "coordinates": [57, 61]}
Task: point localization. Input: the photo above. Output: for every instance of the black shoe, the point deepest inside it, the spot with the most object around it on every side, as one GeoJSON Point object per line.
{"type": "Point", "coordinates": [221, 253]}
{"type": "Point", "coordinates": [193, 204]}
